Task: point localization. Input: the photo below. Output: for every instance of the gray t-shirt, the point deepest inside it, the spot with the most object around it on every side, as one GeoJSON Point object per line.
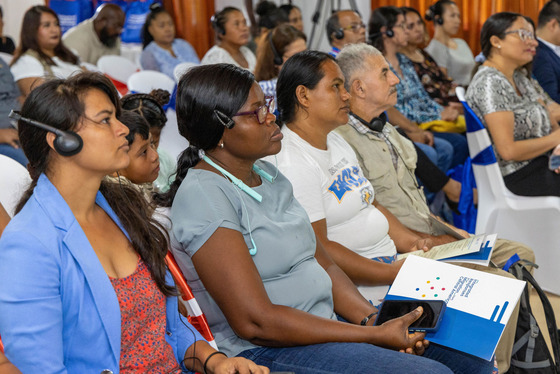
{"type": "Point", "coordinates": [281, 231]}
{"type": "Point", "coordinates": [490, 92]}
{"type": "Point", "coordinates": [458, 62]}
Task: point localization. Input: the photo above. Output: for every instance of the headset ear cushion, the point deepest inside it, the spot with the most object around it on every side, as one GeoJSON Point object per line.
{"type": "Point", "coordinates": [68, 144]}
{"type": "Point", "coordinates": [389, 33]}
{"type": "Point", "coordinates": [339, 34]}
{"type": "Point", "coordinates": [439, 21]}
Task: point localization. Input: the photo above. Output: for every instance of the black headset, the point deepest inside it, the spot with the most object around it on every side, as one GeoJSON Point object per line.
{"type": "Point", "coordinates": [390, 33]}
{"type": "Point", "coordinates": [439, 21]}
{"type": "Point", "coordinates": [278, 60]}
{"type": "Point", "coordinates": [339, 33]}
{"type": "Point", "coordinates": [216, 25]}
{"type": "Point", "coordinates": [66, 143]}
{"type": "Point", "coordinates": [376, 124]}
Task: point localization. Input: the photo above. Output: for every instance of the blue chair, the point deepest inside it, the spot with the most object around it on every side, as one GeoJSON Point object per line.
{"type": "Point", "coordinates": [530, 220]}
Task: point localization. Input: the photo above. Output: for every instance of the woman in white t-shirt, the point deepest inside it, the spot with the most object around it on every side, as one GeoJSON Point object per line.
{"type": "Point", "coordinates": [232, 33]}
{"type": "Point", "coordinates": [41, 53]}
{"type": "Point", "coordinates": [326, 175]}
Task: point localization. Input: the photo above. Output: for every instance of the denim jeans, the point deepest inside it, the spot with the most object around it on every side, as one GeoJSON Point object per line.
{"type": "Point", "coordinates": [460, 146]}
{"type": "Point", "coordinates": [441, 154]}
{"type": "Point", "coordinates": [365, 358]}
{"type": "Point", "coordinates": [13, 153]}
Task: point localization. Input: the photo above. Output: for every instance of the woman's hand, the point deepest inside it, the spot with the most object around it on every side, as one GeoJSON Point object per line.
{"type": "Point", "coordinates": [9, 136]}
{"type": "Point", "coordinates": [423, 243]}
{"type": "Point", "coordinates": [449, 114]}
{"type": "Point", "coordinates": [396, 336]}
{"type": "Point", "coordinates": [556, 152]}
{"type": "Point", "coordinates": [236, 365]}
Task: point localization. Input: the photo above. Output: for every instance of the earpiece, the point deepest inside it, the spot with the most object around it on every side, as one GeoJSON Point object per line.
{"type": "Point", "coordinates": [278, 60]}
{"type": "Point", "coordinates": [439, 21]}
{"type": "Point", "coordinates": [224, 119]}
{"type": "Point", "coordinates": [215, 24]}
{"type": "Point", "coordinates": [66, 143]}
{"type": "Point", "coordinates": [389, 33]}
{"type": "Point", "coordinates": [376, 124]}
{"type": "Point", "coordinates": [339, 34]}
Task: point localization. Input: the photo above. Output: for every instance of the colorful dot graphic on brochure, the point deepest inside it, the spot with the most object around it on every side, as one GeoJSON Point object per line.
{"type": "Point", "coordinates": [431, 288]}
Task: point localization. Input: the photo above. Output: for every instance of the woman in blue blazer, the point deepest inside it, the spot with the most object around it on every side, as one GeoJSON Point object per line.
{"type": "Point", "coordinates": [83, 280]}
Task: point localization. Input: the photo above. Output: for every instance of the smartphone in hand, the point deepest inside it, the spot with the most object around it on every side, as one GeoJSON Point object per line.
{"type": "Point", "coordinates": [429, 321]}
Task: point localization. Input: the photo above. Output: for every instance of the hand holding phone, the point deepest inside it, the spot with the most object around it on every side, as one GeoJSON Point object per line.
{"type": "Point", "coordinates": [429, 321]}
{"type": "Point", "coordinates": [554, 159]}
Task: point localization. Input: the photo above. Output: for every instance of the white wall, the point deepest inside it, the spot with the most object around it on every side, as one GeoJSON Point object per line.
{"type": "Point", "coordinates": [13, 14]}
{"type": "Point", "coordinates": [308, 9]}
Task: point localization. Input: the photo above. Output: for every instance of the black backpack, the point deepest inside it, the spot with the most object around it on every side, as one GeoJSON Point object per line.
{"type": "Point", "coordinates": [530, 353]}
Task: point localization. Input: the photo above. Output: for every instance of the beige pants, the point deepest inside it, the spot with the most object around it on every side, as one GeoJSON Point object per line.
{"type": "Point", "coordinates": [503, 250]}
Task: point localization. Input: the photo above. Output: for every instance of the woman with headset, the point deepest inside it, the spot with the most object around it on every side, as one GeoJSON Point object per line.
{"type": "Point", "coordinates": [84, 285]}
{"type": "Point", "coordinates": [280, 44]}
{"type": "Point", "coordinates": [232, 35]}
{"type": "Point", "coordinates": [246, 245]}
{"type": "Point", "coordinates": [453, 55]}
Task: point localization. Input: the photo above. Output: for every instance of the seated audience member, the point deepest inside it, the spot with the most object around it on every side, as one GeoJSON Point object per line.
{"type": "Point", "coordinates": [387, 32]}
{"type": "Point", "coordinates": [143, 168]}
{"type": "Point", "coordinates": [232, 34]}
{"type": "Point", "coordinates": [546, 64]}
{"type": "Point", "coordinates": [514, 108]}
{"type": "Point", "coordinates": [436, 83]}
{"type": "Point", "coordinates": [270, 16]}
{"type": "Point", "coordinates": [98, 36]}
{"type": "Point", "coordinates": [294, 15]}
{"type": "Point", "coordinates": [453, 55]}
{"type": "Point", "coordinates": [150, 106]}
{"type": "Point", "coordinates": [345, 27]}
{"type": "Point", "coordinates": [9, 100]}
{"type": "Point", "coordinates": [280, 44]}
{"type": "Point", "coordinates": [41, 54]}
{"type": "Point", "coordinates": [6, 43]}
{"type": "Point", "coordinates": [162, 50]}
{"type": "Point", "coordinates": [6, 367]}
{"type": "Point", "coordinates": [91, 253]}
{"type": "Point", "coordinates": [388, 161]}
{"type": "Point", "coordinates": [272, 292]}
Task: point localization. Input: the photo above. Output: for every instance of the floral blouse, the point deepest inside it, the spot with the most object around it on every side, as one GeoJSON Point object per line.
{"type": "Point", "coordinates": [436, 83]}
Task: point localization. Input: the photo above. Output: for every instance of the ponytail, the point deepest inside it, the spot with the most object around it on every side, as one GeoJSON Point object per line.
{"type": "Point", "coordinates": [188, 158]}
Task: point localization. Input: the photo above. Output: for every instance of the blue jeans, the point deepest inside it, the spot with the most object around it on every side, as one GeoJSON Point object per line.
{"type": "Point", "coordinates": [460, 146]}
{"type": "Point", "coordinates": [14, 153]}
{"type": "Point", "coordinates": [365, 358]}
{"type": "Point", "coordinates": [441, 154]}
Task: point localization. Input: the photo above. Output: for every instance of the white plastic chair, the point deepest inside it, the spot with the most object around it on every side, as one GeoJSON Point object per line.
{"type": "Point", "coordinates": [182, 68]}
{"type": "Point", "coordinates": [6, 57]}
{"type": "Point", "coordinates": [147, 80]}
{"type": "Point", "coordinates": [14, 180]}
{"type": "Point", "coordinates": [530, 220]}
{"type": "Point", "coordinates": [119, 69]}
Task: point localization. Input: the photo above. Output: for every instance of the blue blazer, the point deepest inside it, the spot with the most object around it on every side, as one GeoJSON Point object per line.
{"type": "Point", "coordinates": [546, 69]}
{"type": "Point", "coordinates": [59, 312]}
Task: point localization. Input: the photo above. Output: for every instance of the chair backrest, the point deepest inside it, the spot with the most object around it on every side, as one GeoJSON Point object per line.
{"type": "Point", "coordinates": [182, 68]}
{"type": "Point", "coordinates": [489, 180]}
{"type": "Point", "coordinates": [6, 57]}
{"type": "Point", "coordinates": [196, 317]}
{"type": "Point", "coordinates": [118, 69]}
{"type": "Point", "coordinates": [147, 80]}
{"type": "Point", "coordinates": [14, 180]}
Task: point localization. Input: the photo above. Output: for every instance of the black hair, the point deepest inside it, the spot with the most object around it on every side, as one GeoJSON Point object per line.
{"type": "Point", "coordinates": [1, 12]}
{"type": "Point", "coordinates": [67, 96]}
{"type": "Point", "coordinates": [302, 69]}
{"type": "Point", "coordinates": [201, 92]}
{"type": "Point", "coordinates": [333, 24]}
{"type": "Point", "coordinates": [155, 9]}
{"type": "Point", "coordinates": [407, 9]}
{"type": "Point", "coordinates": [385, 16]}
{"type": "Point", "coordinates": [549, 11]}
{"type": "Point", "coordinates": [136, 125]}
{"type": "Point", "coordinates": [435, 11]}
{"type": "Point", "coordinates": [497, 24]}
{"type": "Point", "coordinates": [287, 9]}
{"type": "Point", "coordinates": [219, 20]}
{"type": "Point", "coordinates": [149, 106]}
{"type": "Point", "coordinates": [270, 15]}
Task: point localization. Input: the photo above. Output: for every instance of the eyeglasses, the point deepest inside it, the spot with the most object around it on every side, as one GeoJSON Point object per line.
{"type": "Point", "coordinates": [355, 28]}
{"type": "Point", "coordinates": [401, 25]}
{"type": "Point", "coordinates": [524, 35]}
{"type": "Point", "coordinates": [262, 111]}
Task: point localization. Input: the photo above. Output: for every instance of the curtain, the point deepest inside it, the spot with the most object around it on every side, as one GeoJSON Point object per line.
{"type": "Point", "coordinates": [473, 13]}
